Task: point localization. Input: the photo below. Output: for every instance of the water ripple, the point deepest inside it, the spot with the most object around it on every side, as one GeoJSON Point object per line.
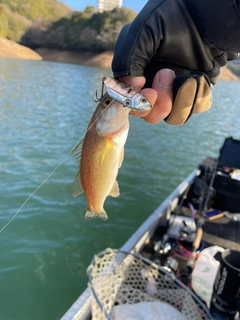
{"type": "Point", "coordinates": [44, 110]}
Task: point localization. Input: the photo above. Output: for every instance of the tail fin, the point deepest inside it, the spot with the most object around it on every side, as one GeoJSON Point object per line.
{"type": "Point", "coordinates": [90, 215]}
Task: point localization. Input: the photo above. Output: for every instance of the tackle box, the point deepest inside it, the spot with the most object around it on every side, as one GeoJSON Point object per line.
{"type": "Point", "coordinates": [228, 189]}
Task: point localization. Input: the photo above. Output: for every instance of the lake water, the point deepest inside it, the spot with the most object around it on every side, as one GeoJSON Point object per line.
{"type": "Point", "coordinates": [44, 110]}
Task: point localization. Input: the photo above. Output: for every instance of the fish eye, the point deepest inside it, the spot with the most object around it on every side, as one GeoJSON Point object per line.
{"type": "Point", "coordinates": [107, 102]}
{"type": "Point", "coordinates": [144, 100]}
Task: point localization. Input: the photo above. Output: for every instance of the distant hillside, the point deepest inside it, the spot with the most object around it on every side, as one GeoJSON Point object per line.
{"type": "Point", "coordinates": [18, 16]}
{"type": "Point", "coordinates": [51, 24]}
{"type": "Point", "coordinates": [88, 30]}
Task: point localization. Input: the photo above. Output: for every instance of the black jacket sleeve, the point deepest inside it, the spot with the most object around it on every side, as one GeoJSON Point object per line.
{"type": "Point", "coordinates": [218, 22]}
{"type": "Point", "coordinates": [172, 34]}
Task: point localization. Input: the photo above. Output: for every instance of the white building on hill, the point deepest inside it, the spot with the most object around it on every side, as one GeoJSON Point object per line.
{"type": "Point", "coordinates": [105, 5]}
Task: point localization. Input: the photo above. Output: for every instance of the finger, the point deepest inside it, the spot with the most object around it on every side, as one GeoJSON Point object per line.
{"type": "Point", "coordinates": [136, 82]}
{"type": "Point", "coordinates": [162, 83]}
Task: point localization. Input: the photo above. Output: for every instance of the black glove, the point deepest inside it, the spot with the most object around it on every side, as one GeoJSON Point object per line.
{"type": "Point", "coordinates": [164, 35]}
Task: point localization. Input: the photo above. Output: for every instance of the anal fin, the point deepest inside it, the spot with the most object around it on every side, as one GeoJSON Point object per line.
{"type": "Point", "coordinates": [115, 190]}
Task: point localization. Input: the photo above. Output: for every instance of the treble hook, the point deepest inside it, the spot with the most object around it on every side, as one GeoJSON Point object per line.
{"type": "Point", "coordinates": [95, 96]}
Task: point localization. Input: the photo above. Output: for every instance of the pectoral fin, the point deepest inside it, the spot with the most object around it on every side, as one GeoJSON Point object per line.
{"type": "Point", "coordinates": [115, 190]}
{"type": "Point", "coordinates": [77, 187]}
{"type": "Point", "coordinates": [109, 145]}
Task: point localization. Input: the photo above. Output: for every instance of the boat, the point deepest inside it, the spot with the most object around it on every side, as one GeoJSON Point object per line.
{"type": "Point", "coordinates": [191, 229]}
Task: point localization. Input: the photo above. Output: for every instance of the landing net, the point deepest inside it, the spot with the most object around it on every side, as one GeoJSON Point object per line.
{"type": "Point", "coordinates": [118, 279]}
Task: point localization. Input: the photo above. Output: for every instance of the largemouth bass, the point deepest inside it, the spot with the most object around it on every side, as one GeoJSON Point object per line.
{"type": "Point", "coordinates": [100, 154]}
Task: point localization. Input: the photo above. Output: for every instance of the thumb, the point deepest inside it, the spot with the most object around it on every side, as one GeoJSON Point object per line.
{"type": "Point", "coordinates": [162, 83]}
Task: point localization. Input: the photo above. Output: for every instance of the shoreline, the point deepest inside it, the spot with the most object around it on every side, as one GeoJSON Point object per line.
{"type": "Point", "coordinates": [103, 60]}
{"type": "Point", "coordinates": [11, 49]}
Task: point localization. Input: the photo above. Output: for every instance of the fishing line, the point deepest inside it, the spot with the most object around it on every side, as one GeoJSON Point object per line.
{"type": "Point", "coordinates": [54, 170]}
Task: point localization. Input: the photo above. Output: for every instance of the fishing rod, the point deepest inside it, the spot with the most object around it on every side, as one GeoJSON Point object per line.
{"type": "Point", "coordinates": [200, 223]}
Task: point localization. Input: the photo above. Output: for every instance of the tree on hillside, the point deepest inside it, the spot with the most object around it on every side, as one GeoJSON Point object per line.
{"type": "Point", "coordinates": [87, 30]}
{"type": "Point", "coordinates": [17, 16]}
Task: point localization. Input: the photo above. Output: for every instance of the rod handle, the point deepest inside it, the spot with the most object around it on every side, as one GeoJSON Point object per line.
{"type": "Point", "coordinates": [198, 238]}
{"type": "Point", "coordinates": [196, 244]}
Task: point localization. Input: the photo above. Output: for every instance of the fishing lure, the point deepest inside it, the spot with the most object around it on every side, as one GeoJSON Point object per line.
{"type": "Point", "coordinates": [124, 94]}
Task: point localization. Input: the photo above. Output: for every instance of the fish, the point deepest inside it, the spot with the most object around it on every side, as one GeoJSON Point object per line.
{"type": "Point", "coordinates": [127, 96]}
{"type": "Point", "coordinates": [100, 155]}
{"type": "Point", "coordinates": [101, 152]}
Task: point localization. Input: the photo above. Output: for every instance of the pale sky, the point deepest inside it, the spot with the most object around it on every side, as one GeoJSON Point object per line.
{"type": "Point", "coordinates": [82, 4]}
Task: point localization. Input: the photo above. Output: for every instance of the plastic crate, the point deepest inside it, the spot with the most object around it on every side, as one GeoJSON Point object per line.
{"type": "Point", "coordinates": [230, 154]}
{"type": "Point", "coordinates": [227, 193]}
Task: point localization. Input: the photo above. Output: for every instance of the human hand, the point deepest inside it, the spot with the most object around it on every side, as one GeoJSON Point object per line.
{"type": "Point", "coordinates": [174, 99]}
{"type": "Point", "coordinates": [153, 41]}
{"type": "Point", "coordinates": [160, 95]}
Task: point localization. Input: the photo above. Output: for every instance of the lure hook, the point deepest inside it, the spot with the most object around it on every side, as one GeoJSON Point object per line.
{"type": "Point", "coordinates": [95, 96]}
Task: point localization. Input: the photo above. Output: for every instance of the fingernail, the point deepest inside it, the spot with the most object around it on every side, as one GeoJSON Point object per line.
{"type": "Point", "coordinates": [165, 78]}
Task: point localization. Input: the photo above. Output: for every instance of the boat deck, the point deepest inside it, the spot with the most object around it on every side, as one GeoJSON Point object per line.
{"type": "Point", "coordinates": [222, 232]}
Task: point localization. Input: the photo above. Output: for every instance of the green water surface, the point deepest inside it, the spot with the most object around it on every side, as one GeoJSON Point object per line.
{"type": "Point", "coordinates": [44, 110]}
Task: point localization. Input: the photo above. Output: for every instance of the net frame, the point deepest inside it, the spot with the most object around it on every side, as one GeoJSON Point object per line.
{"type": "Point", "coordinates": [117, 277]}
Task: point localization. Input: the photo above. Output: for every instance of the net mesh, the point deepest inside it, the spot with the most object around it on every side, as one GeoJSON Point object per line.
{"type": "Point", "coordinates": [136, 280]}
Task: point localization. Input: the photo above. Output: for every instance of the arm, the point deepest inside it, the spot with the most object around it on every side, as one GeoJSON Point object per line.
{"type": "Point", "coordinates": [218, 22]}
